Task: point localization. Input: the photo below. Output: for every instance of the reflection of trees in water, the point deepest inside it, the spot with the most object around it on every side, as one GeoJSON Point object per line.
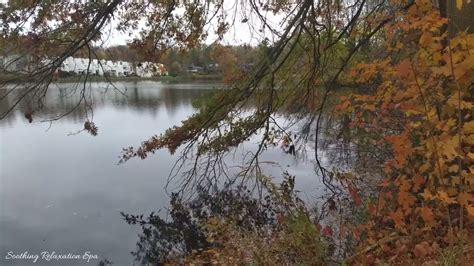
{"type": "Point", "coordinates": [350, 149]}
{"type": "Point", "coordinates": [5, 104]}
{"type": "Point", "coordinates": [163, 241]}
{"type": "Point", "coordinates": [187, 229]}
{"type": "Point", "coordinates": [64, 98]}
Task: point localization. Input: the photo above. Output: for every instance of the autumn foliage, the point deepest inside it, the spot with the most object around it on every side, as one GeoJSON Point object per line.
{"type": "Point", "coordinates": [410, 105]}
{"type": "Point", "coordinates": [396, 78]}
{"type": "Point", "coordinates": [423, 109]}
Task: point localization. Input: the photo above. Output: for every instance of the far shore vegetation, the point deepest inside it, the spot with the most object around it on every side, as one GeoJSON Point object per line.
{"type": "Point", "coordinates": [186, 77]}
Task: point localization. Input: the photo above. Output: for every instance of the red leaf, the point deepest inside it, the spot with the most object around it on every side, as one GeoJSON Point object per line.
{"type": "Point", "coordinates": [355, 196]}
{"type": "Point", "coordinates": [327, 231]}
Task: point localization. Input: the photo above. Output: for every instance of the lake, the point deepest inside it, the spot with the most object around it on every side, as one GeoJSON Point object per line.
{"type": "Point", "coordinates": [63, 192]}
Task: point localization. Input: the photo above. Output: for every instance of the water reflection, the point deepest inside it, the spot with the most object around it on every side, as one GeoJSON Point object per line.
{"type": "Point", "coordinates": [137, 96]}
{"type": "Point", "coordinates": [65, 193]}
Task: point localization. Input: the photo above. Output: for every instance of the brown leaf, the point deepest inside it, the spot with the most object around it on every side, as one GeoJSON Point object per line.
{"type": "Point", "coordinates": [422, 250]}
{"type": "Point", "coordinates": [404, 69]}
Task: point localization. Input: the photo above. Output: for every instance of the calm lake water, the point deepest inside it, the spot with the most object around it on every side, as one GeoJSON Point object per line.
{"type": "Point", "coordinates": [63, 193]}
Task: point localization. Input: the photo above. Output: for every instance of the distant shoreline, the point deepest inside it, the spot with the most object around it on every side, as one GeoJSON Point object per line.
{"type": "Point", "coordinates": [93, 78]}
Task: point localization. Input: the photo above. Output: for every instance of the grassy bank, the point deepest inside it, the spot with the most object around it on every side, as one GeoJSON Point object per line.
{"type": "Point", "coordinates": [190, 77]}
{"type": "Point", "coordinates": [6, 77]}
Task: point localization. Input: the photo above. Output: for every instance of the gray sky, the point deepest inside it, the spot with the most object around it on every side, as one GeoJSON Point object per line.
{"type": "Point", "coordinates": [239, 33]}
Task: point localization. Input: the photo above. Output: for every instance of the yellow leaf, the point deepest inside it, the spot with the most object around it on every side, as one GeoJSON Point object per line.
{"type": "Point", "coordinates": [424, 167]}
{"type": "Point", "coordinates": [453, 168]}
{"type": "Point", "coordinates": [450, 123]}
{"type": "Point", "coordinates": [454, 101]}
{"type": "Point", "coordinates": [463, 68]}
{"type": "Point", "coordinates": [449, 146]}
{"type": "Point", "coordinates": [459, 4]}
{"type": "Point", "coordinates": [442, 70]}
{"type": "Point", "coordinates": [443, 196]}
{"type": "Point", "coordinates": [426, 39]}
{"type": "Point", "coordinates": [427, 195]}
{"type": "Point", "coordinates": [469, 127]}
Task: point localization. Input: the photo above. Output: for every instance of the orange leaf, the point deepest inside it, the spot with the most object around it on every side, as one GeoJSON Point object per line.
{"type": "Point", "coordinates": [470, 210]}
{"type": "Point", "coordinates": [427, 195]}
{"type": "Point", "coordinates": [418, 180]}
{"type": "Point", "coordinates": [426, 39]}
{"type": "Point", "coordinates": [464, 198]}
{"type": "Point", "coordinates": [427, 214]}
{"type": "Point", "coordinates": [406, 199]}
{"type": "Point", "coordinates": [372, 208]}
{"type": "Point", "coordinates": [401, 147]}
{"type": "Point", "coordinates": [397, 218]}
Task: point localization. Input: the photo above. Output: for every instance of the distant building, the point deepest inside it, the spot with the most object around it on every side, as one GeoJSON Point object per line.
{"type": "Point", "coordinates": [76, 66]}
{"type": "Point", "coordinates": [124, 68]}
{"type": "Point", "coordinates": [79, 66]}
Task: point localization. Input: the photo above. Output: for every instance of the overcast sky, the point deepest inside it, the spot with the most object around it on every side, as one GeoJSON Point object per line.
{"type": "Point", "coordinates": [239, 33]}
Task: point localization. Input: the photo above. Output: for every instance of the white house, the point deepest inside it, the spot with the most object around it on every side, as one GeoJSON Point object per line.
{"type": "Point", "coordinates": [109, 68]}
{"type": "Point", "coordinates": [80, 65]}
{"type": "Point", "coordinates": [68, 65]}
{"type": "Point", "coordinates": [15, 63]}
{"type": "Point", "coordinates": [126, 68]}
{"type": "Point", "coordinates": [98, 67]}
{"type": "Point", "coordinates": [119, 68]}
{"type": "Point", "coordinates": [105, 67]}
